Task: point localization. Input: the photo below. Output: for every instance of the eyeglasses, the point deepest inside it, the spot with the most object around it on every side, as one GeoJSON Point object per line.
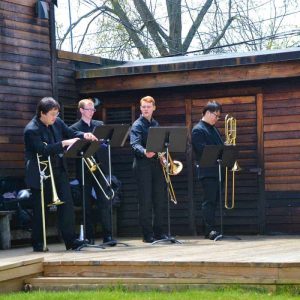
{"type": "Point", "coordinates": [53, 114]}
{"type": "Point", "coordinates": [90, 109]}
{"type": "Point", "coordinates": [216, 115]}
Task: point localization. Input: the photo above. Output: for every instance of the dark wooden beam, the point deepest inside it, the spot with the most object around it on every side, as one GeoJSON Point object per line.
{"type": "Point", "coordinates": [190, 166]}
{"type": "Point", "coordinates": [260, 161]}
{"type": "Point", "coordinates": [86, 58]}
{"type": "Point", "coordinates": [53, 52]}
{"type": "Point", "coordinates": [193, 77]}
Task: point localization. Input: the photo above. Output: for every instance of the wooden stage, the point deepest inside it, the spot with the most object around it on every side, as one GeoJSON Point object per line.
{"type": "Point", "coordinates": [266, 261]}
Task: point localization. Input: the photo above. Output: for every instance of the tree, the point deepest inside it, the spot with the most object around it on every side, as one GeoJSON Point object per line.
{"type": "Point", "coordinates": [127, 29]}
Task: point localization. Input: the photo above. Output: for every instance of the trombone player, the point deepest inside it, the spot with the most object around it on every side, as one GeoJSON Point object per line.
{"type": "Point", "coordinates": [46, 135]}
{"type": "Point", "coordinates": [149, 175]}
{"type": "Point", "coordinates": [205, 133]}
{"type": "Point", "coordinates": [86, 123]}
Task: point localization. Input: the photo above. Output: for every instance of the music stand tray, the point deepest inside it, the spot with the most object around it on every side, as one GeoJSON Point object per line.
{"type": "Point", "coordinates": [114, 135]}
{"type": "Point", "coordinates": [174, 137]}
{"type": "Point", "coordinates": [219, 156]}
{"type": "Point", "coordinates": [77, 149]}
{"type": "Point", "coordinates": [167, 139]}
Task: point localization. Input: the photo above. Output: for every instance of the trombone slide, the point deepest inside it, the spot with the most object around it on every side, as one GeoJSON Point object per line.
{"type": "Point", "coordinates": [42, 178]}
{"type": "Point", "coordinates": [230, 135]}
{"type": "Point", "coordinates": [93, 167]}
{"type": "Point", "coordinates": [55, 199]}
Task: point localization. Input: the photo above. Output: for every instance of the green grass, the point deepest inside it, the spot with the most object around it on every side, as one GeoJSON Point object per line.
{"type": "Point", "coordinates": [124, 294]}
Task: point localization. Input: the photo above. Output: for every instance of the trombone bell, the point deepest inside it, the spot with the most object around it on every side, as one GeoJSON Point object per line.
{"type": "Point", "coordinates": [170, 167]}
{"type": "Point", "coordinates": [176, 167]}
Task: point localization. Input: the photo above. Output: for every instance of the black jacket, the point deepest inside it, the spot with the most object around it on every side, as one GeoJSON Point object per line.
{"type": "Point", "coordinates": [205, 134]}
{"type": "Point", "coordinates": [36, 134]}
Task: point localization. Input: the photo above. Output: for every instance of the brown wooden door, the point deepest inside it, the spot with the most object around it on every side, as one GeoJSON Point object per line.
{"type": "Point", "coordinates": [246, 216]}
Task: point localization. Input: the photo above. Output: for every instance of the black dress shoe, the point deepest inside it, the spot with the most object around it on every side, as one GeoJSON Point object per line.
{"type": "Point", "coordinates": [149, 239]}
{"type": "Point", "coordinates": [109, 241]}
{"type": "Point", "coordinates": [77, 243]}
{"type": "Point", "coordinates": [160, 236]}
{"type": "Point", "coordinates": [213, 234]}
{"type": "Point", "coordinates": [39, 248]}
{"type": "Point", "coordinates": [91, 241]}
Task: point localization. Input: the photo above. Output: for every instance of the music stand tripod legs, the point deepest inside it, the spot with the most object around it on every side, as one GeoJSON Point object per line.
{"type": "Point", "coordinates": [169, 238]}
{"type": "Point", "coordinates": [221, 236]}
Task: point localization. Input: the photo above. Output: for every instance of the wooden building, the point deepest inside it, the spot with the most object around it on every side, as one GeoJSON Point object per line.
{"type": "Point", "coordinates": [260, 89]}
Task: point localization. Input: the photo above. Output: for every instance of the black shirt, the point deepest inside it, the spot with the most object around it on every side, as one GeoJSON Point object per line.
{"type": "Point", "coordinates": [102, 154]}
{"type": "Point", "coordinates": [139, 135]}
{"type": "Point", "coordinates": [84, 127]}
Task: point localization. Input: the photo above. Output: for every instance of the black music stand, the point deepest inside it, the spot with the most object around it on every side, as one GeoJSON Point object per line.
{"type": "Point", "coordinates": [221, 156]}
{"type": "Point", "coordinates": [167, 139]}
{"type": "Point", "coordinates": [114, 135]}
{"type": "Point", "coordinates": [83, 149]}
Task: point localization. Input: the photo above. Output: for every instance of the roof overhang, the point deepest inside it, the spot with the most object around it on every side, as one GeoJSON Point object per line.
{"type": "Point", "coordinates": [195, 70]}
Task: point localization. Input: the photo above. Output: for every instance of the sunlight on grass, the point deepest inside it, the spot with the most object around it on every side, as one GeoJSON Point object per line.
{"type": "Point", "coordinates": [125, 294]}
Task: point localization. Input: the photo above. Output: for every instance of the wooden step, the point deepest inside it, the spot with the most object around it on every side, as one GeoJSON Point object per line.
{"type": "Point", "coordinates": [231, 271]}
{"type": "Point", "coordinates": [12, 275]}
{"type": "Point", "coordinates": [91, 283]}
{"type": "Point", "coordinates": [161, 275]}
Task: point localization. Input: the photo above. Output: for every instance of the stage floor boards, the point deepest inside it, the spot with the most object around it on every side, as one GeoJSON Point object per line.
{"type": "Point", "coordinates": [250, 249]}
{"type": "Point", "coordinates": [268, 261]}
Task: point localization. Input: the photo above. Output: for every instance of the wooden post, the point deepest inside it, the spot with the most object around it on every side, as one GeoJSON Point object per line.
{"type": "Point", "coordinates": [5, 236]}
{"type": "Point", "coordinates": [189, 162]}
{"type": "Point", "coordinates": [260, 156]}
{"type": "Point", "coordinates": [53, 52]}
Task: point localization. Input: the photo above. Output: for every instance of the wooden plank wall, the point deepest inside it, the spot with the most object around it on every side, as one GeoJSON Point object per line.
{"type": "Point", "coordinates": [25, 68]}
{"type": "Point", "coordinates": [282, 156]}
{"type": "Point", "coordinates": [67, 92]}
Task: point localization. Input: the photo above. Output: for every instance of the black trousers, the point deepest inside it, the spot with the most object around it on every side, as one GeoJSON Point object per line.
{"type": "Point", "coordinates": [65, 212]}
{"type": "Point", "coordinates": [103, 208]}
{"type": "Point", "coordinates": [151, 194]}
{"type": "Point", "coordinates": [210, 200]}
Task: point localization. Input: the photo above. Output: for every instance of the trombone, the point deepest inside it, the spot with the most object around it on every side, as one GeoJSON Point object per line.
{"type": "Point", "coordinates": [93, 167]}
{"type": "Point", "coordinates": [230, 135]}
{"type": "Point", "coordinates": [170, 167]}
{"type": "Point", "coordinates": [43, 165]}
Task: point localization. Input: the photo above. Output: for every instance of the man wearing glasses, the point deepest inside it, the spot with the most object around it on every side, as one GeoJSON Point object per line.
{"type": "Point", "coordinates": [86, 124]}
{"type": "Point", "coordinates": [47, 135]}
{"type": "Point", "coordinates": [205, 133]}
